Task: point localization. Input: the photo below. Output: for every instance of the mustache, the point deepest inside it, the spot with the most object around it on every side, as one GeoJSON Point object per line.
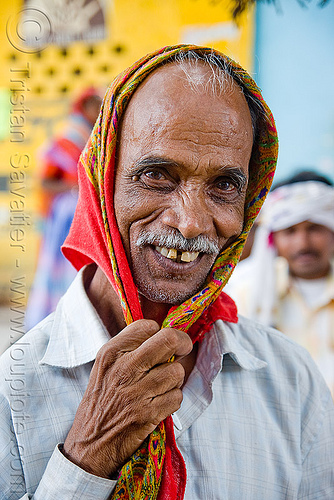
{"type": "Point", "coordinates": [301, 253]}
{"type": "Point", "coordinates": [174, 239]}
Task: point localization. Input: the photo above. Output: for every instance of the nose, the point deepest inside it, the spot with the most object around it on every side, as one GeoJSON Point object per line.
{"type": "Point", "coordinates": [189, 214]}
{"type": "Point", "coordinates": [302, 239]}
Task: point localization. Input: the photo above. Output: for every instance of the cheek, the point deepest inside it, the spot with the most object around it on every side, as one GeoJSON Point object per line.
{"type": "Point", "coordinates": [229, 225]}
{"type": "Point", "coordinates": [128, 204]}
{"type": "Point", "coordinates": [324, 241]}
{"type": "Point", "coordinates": [125, 199]}
{"type": "Point", "coordinates": [325, 249]}
{"type": "Point", "coordinates": [331, 245]}
{"type": "Point", "coordinates": [133, 211]}
{"type": "Point", "coordinates": [229, 221]}
{"type": "Point", "coordinates": [282, 244]}
{"type": "Point", "coordinates": [124, 206]}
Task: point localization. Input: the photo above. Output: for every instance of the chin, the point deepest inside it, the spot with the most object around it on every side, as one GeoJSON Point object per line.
{"type": "Point", "coordinates": [163, 296]}
{"type": "Point", "coordinates": [308, 273]}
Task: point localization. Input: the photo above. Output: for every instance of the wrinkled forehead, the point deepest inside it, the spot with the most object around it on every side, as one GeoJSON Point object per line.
{"type": "Point", "coordinates": [177, 86]}
{"type": "Point", "coordinates": [195, 73]}
{"type": "Point", "coordinates": [193, 78]}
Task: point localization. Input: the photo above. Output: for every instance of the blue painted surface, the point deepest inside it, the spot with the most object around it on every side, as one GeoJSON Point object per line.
{"type": "Point", "coordinates": [294, 66]}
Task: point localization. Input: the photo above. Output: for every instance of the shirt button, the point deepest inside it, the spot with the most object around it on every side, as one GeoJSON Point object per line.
{"type": "Point", "coordinates": [177, 422]}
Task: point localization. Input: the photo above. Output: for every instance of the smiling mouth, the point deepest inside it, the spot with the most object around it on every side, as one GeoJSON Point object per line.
{"type": "Point", "coordinates": [177, 255]}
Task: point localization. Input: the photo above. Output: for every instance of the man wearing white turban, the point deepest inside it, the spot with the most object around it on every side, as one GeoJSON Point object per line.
{"type": "Point", "coordinates": [288, 280]}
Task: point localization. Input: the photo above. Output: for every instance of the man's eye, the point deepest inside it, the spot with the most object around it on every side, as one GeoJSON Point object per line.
{"type": "Point", "coordinates": [226, 190]}
{"type": "Point", "coordinates": [225, 185]}
{"type": "Point", "coordinates": [289, 230]}
{"type": "Point", "coordinates": [155, 175]}
{"type": "Point", "coordinates": [154, 178]}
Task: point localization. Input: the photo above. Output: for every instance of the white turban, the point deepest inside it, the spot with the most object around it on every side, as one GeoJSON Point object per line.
{"type": "Point", "coordinates": [294, 203]}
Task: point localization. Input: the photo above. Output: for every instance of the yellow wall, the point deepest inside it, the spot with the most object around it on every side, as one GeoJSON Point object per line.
{"type": "Point", "coordinates": [41, 83]}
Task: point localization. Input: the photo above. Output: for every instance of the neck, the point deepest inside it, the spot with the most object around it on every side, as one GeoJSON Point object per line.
{"type": "Point", "coordinates": [104, 299]}
{"type": "Point", "coordinates": [154, 310]}
{"type": "Point", "coordinates": [311, 274]}
{"type": "Point", "coordinates": [107, 304]}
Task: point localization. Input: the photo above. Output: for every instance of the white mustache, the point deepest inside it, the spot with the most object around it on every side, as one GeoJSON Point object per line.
{"type": "Point", "coordinates": [175, 240]}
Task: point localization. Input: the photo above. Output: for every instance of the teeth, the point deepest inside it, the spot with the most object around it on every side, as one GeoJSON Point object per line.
{"type": "Point", "coordinates": [171, 253]}
{"type": "Point", "coordinates": [189, 256]}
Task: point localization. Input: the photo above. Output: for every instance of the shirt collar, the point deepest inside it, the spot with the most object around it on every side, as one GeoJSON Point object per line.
{"type": "Point", "coordinates": [230, 344]}
{"type": "Point", "coordinates": [77, 331]}
{"type": "Point", "coordinates": [221, 340]}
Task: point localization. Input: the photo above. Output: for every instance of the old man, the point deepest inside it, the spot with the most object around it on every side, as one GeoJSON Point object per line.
{"type": "Point", "coordinates": [144, 383]}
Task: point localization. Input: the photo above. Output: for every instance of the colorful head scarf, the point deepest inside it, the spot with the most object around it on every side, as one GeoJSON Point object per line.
{"type": "Point", "coordinates": [157, 468]}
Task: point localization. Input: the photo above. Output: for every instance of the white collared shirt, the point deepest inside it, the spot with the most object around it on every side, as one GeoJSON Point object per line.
{"type": "Point", "coordinates": [256, 421]}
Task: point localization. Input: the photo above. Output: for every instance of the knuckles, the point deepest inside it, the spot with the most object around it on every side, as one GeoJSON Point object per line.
{"type": "Point", "coordinates": [169, 337]}
{"type": "Point", "coordinates": [176, 341]}
{"type": "Point", "coordinates": [178, 398]}
{"type": "Point", "coordinates": [140, 330]}
{"type": "Point", "coordinates": [126, 372]}
{"type": "Point", "coordinates": [129, 339]}
{"type": "Point", "coordinates": [106, 355]}
{"type": "Point", "coordinates": [176, 373]}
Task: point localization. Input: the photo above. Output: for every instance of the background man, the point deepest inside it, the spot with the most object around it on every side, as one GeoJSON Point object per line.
{"type": "Point", "coordinates": [174, 174]}
{"type": "Point", "coordinates": [288, 281]}
{"type": "Point", "coordinates": [59, 179]}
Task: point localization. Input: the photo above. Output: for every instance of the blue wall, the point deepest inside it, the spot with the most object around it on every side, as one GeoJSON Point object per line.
{"type": "Point", "coordinates": [294, 66]}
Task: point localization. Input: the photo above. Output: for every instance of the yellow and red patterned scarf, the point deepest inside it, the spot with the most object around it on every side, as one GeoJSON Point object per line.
{"type": "Point", "coordinates": [156, 470]}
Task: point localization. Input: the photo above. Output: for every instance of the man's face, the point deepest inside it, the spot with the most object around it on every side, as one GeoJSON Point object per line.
{"type": "Point", "coordinates": [307, 247]}
{"type": "Point", "coordinates": [181, 174]}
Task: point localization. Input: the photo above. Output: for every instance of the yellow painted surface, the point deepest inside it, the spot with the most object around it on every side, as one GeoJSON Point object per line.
{"type": "Point", "coordinates": [43, 83]}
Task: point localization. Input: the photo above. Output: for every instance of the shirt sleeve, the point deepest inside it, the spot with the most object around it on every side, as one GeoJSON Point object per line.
{"type": "Point", "coordinates": [317, 482]}
{"type": "Point", "coordinates": [63, 479]}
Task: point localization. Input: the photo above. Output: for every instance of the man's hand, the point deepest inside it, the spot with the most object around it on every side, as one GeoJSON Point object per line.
{"type": "Point", "coordinates": [131, 389]}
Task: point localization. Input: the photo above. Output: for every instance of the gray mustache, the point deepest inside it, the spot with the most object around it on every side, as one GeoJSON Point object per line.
{"type": "Point", "coordinates": [175, 240]}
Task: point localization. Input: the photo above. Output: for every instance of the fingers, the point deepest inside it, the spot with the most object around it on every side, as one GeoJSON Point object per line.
{"type": "Point", "coordinates": [128, 339]}
{"type": "Point", "coordinates": [149, 406]}
{"type": "Point", "coordinates": [160, 407]}
{"type": "Point", "coordinates": [167, 404]}
{"type": "Point", "coordinates": [155, 395]}
{"type": "Point", "coordinates": [162, 346]}
{"type": "Point", "coordinates": [162, 379]}
{"type": "Point", "coordinates": [146, 345]}
{"type": "Point", "coordinates": [135, 334]}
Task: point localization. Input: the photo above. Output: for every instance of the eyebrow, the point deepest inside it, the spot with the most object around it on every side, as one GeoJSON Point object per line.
{"type": "Point", "coordinates": [234, 172]}
{"type": "Point", "coordinates": [156, 161]}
